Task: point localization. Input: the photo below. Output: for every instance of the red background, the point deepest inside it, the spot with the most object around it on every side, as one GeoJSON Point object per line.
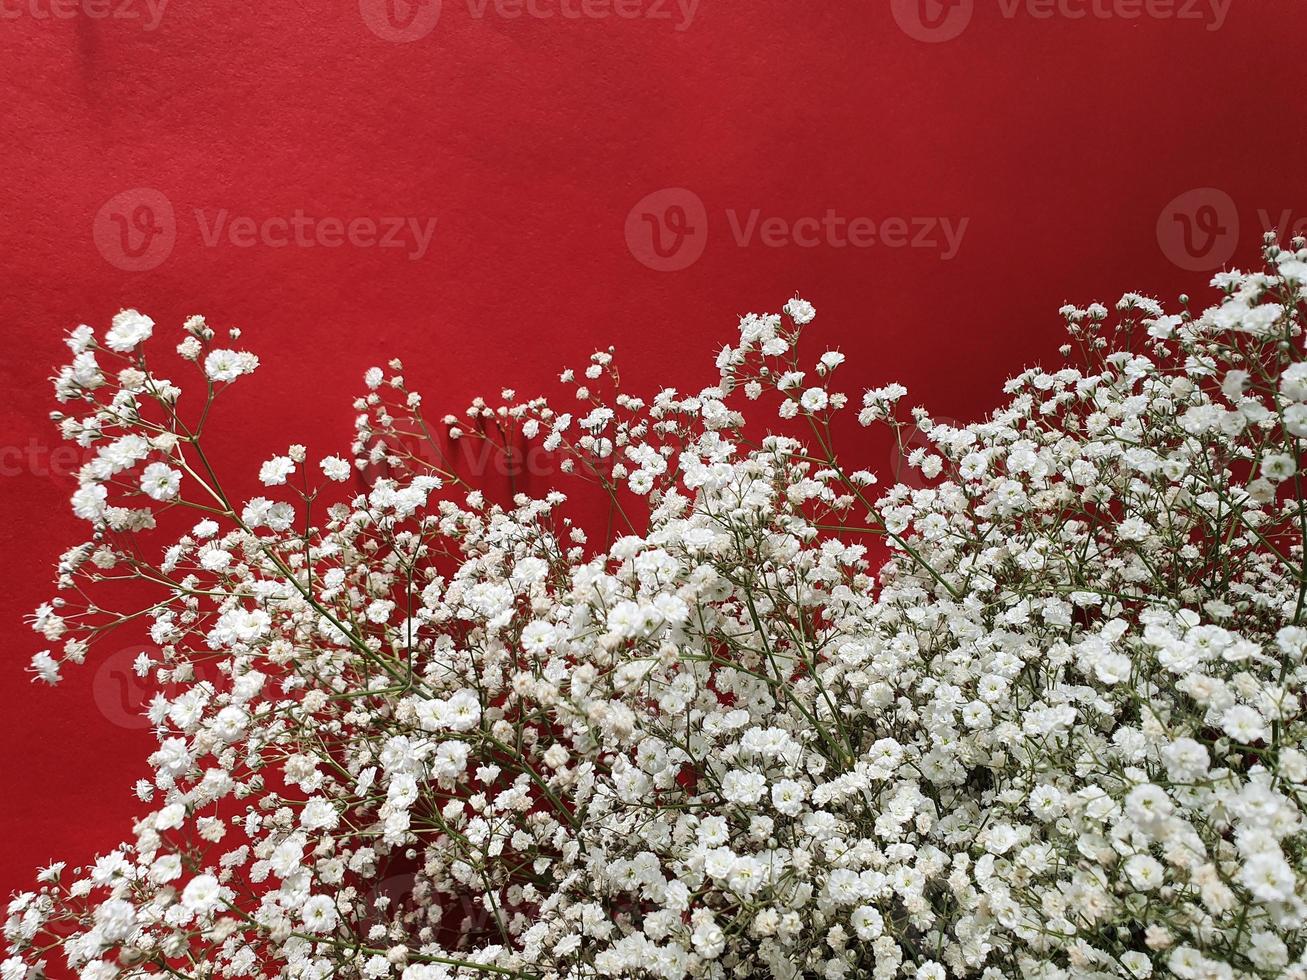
{"type": "Point", "coordinates": [1062, 140]}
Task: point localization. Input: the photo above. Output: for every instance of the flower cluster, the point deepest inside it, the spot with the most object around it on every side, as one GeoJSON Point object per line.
{"type": "Point", "coordinates": [407, 731]}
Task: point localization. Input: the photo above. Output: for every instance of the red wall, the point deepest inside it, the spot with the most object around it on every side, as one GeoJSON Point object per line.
{"type": "Point", "coordinates": [1078, 150]}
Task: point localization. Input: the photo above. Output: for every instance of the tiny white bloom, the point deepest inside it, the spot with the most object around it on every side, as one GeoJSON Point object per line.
{"type": "Point", "coordinates": [129, 329]}
{"type": "Point", "coordinates": [160, 481]}
{"type": "Point", "coordinates": [335, 468]}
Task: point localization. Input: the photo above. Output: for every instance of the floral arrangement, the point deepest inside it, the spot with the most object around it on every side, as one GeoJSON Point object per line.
{"type": "Point", "coordinates": [404, 731]}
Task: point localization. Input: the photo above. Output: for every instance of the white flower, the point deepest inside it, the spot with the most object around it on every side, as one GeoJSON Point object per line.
{"type": "Point", "coordinates": [262, 512]}
{"type": "Point", "coordinates": [1137, 963]}
{"type": "Point", "coordinates": [166, 868]}
{"type": "Point", "coordinates": [787, 796]}
{"type": "Point", "coordinates": [1293, 381]}
{"type": "Point", "coordinates": [739, 786]}
{"type": "Point", "coordinates": [537, 637]}
{"type": "Point", "coordinates": [319, 814]}
{"type": "Point", "coordinates": [1293, 269]}
{"type": "Point", "coordinates": [1148, 804]}
{"type": "Point", "coordinates": [1186, 760]}
{"type": "Point", "coordinates": [1278, 467]}
{"type": "Point", "coordinates": [1113, 668]}
{"type": "Point", "coordinates": [274, 471]}
{"type": "Point", "coordinates": [867, 922]}
{"type": "Point", "coordinates": [319, 914]}
{"type": "Point", "coordinates": [89, 501]}
{"type": "Point", "coordinates": [800, 311]}
{"type": "Point", "coordinates": [1244, 724]}
{"type": "Point", "coordinates": [228, 365]}
{"type": "Point", "coordinates": [45, 667]}
{"type": "Point", "coordinates": [813, 400]}
{"type": "Point", "coordinates": [129, 329]}
{"type": "Point", "coordinates": [1134, 529]}
{"type": "Point", "coordinates": [1267, 877]}
{"type": "Point", "coordinates": [1144, 872]}
{"type": "Point", "coordinates": [1295, 420]}
{"type": "Point", "coordinates": [709, 941]}
{"type": "Point", "coordinates": [335, 468]}
{"type": "Point", "coordinates": [1046, 802]}
{"type": "Point", "coordinates": [460, 713]}
{"type": "Point", "coordinates": [240, 626]}
{"type": "Point", "coordinates": [1001, 838]}
{"type": "Point", "coordinates": [713, 831]}
{"type": "Point", "coordinates": [802, 723]}
{"type": "Point", "coordinates": [170, 817]}
{"type": "Point", "coordinates": [160, 481]}
{"type": "Point", "coordinates": [1268, 951]}
{"type": "Point", "coordinates": [215, 559]}
{"type": "Point", "coordinates": [202, 894]}
{"type": "Point", "coordinates": [80, 338]}
{"type": "Point", "coordinates": [115, 919]}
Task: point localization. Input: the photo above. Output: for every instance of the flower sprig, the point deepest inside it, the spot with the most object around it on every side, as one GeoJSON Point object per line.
{"type": "Point", "coordinates": [405, 730]}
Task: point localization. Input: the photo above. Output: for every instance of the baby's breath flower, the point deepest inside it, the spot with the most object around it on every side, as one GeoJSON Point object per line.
{"type": "Point", "coordinates": [1037, 714]}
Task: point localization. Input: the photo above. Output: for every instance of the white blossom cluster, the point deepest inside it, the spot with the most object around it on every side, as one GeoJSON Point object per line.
{"type": "Point", "coordinates": [404, 731]}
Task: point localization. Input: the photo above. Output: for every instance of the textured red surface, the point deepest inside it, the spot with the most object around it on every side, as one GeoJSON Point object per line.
{"type": "Point", "coordinates": [1065, 143]}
